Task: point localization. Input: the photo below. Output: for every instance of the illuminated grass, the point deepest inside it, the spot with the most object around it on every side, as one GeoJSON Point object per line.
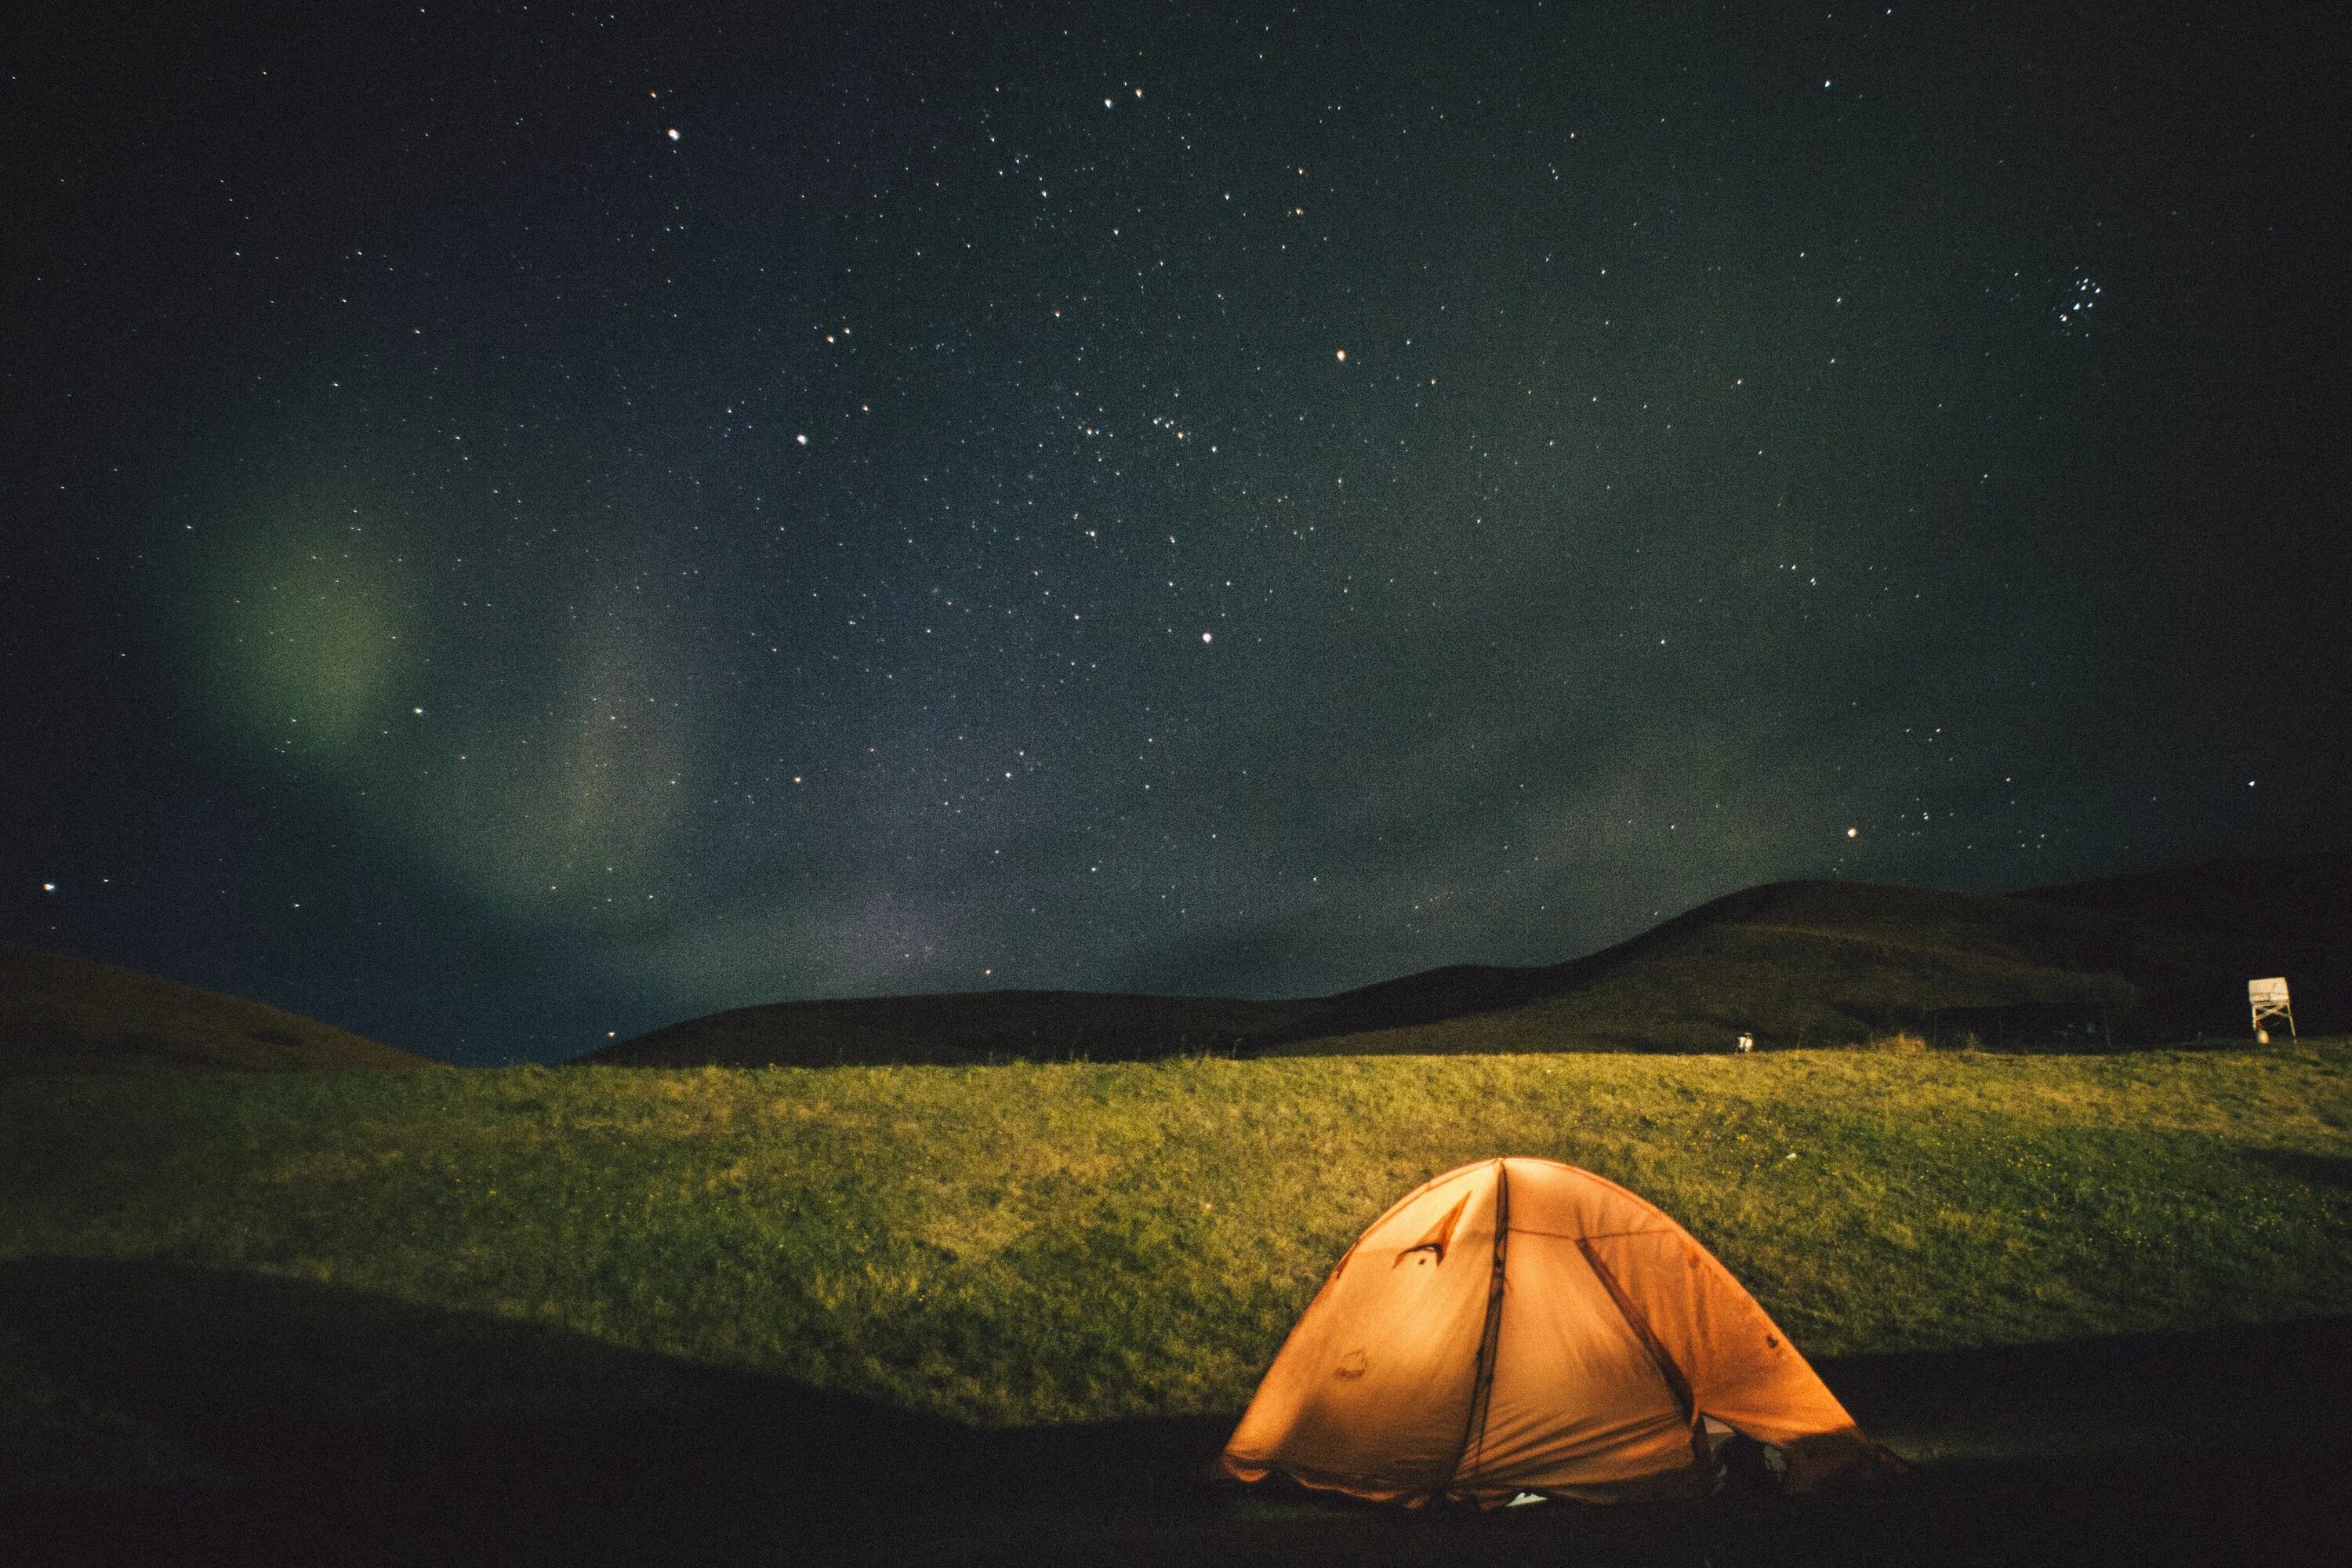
{"type": "Point", "coordinates": [1027, 1244]}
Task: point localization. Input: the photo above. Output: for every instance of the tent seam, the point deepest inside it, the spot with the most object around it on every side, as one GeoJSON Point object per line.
{"type": "Point", "coordinates": [1482, 1388]}
{"type": "Point", "coordinates": [1592, 1235]}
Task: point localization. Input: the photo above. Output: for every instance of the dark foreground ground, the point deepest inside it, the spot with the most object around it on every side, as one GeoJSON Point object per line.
{"type": "Point", "coordinates": [2218, 1447]}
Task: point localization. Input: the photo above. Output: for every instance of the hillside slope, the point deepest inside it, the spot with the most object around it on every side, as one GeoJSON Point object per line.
{"type": "Point", "coordinates": [2164, 956]}
{"type": "Point", "coordinates": [62, 1014]}
{"type": "Point", "coordinates": [1794, 964]}
{"type": "Point", "coordinates": [2289, 915]}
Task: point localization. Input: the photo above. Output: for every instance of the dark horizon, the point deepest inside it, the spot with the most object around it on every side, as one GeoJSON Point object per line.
{"type": "Point", "coordinates": [528, 525]}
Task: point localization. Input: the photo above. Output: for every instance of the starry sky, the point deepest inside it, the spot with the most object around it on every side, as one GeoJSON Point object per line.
{"type": "Point", "coordinates": [529, 523]}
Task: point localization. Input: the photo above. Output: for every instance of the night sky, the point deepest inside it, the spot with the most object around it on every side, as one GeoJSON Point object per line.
{"type": "Point", "coordinates": [524, 522]}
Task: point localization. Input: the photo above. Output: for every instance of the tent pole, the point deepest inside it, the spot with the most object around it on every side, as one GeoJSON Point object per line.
{"type": "Point", "coordinates": [1474, 1430]}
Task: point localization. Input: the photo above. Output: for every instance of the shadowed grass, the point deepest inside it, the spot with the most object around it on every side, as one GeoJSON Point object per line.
{"type": "Point", "coordinates": [1066, 1242]}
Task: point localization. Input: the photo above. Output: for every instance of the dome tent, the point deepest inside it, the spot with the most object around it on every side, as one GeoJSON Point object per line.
{"type": "Point", "coordinates": [1520, 1325]}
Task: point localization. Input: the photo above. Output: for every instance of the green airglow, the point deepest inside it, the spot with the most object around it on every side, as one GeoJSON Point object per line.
{"type": "Point", "coordinates": [307, 631]}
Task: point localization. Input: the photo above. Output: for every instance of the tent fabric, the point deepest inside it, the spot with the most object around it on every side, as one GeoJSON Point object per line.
{"type": "Point", "coordinates": [1520, 1325]}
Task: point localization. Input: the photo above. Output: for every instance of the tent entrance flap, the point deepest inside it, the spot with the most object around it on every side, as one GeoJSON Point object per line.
{"type": "Point", "coordinates": [1677, 1384]}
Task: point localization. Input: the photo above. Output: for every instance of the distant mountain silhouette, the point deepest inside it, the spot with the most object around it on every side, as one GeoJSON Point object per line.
{"type": "Point", "coordinates": [2163, 956]}
{"type": "Point", "coordinates": [62, 1014]}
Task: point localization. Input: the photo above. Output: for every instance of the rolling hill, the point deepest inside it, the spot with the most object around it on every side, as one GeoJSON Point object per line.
{"type": "Point", "coordinates": [2288, 915]}
{"type": "Point", "coordinates": [967, 1028]}
{"type": "Point", "coordinates": [62, 1014]}
{"type": "Point", "coordinates": [2162, 957]}
{"type": "Point", "coordinates": [1796, 964]}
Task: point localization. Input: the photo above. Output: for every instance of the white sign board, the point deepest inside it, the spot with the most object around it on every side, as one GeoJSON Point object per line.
{"type": "Point", "coordinates": [2271, 993]}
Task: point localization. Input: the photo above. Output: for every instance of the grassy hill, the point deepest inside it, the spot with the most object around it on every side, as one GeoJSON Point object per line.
{"type": "Point", "coordinates": [1796, 963]}
{"type": "Point", "coordinates": [61, 1015]}
{"type": "Point", "coordinates": [209, 1274]}
{"type": "Point", "coordinates": [2290, 915]}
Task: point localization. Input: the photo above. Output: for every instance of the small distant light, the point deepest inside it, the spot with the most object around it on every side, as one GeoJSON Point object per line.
{"type": "Point", "coordinates": [1854, 833]}
{"type": "Point", "coordinates": [2250, 784]}
{"type": "Point", "coordinates": [48, 887]}
{"type": "Point", "coordinates": [609, 1034]}
{"type": "Point", "coordinates": [673, 130]}
{"type": "Point", "coordinates": [1206, 636]}
{"type": "Point", "coordinates": [1343, 356]}
{"type": "Point", "coordinates": [416, 711]}
{"type": "Point", "coordinates": [802, 440]}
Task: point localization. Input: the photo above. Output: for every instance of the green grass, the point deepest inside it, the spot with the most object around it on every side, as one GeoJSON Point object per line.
{"type": "Point", "coordinates": [1064, 1243]}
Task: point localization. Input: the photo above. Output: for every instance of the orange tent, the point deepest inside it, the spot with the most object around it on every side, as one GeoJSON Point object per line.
{"type": "Point", "coordinates": [1522, 1326]}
